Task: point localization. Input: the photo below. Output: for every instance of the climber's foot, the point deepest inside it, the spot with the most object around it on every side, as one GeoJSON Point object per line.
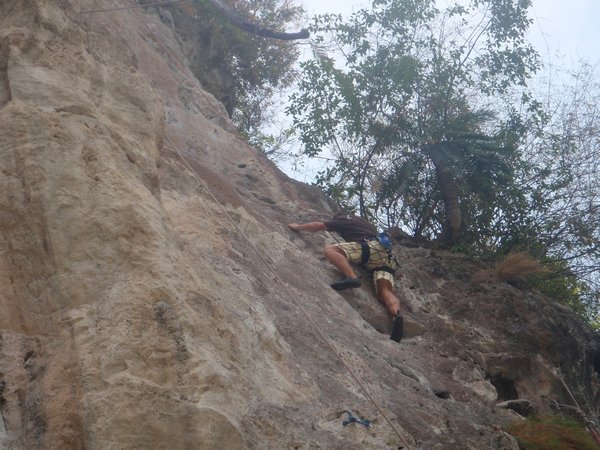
{"type": "Point", "coordinates": [398, 329]}
{"type": "Point", "coordinates": [346, 283]}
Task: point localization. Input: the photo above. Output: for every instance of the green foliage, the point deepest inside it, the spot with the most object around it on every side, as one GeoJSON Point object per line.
{"type": "Point", "coordinates": [242, 70]}
{"type": "Point", "coordinates": [562, 285]}
{"type": "Point", "coordinates": [552, 433]}
{"type": "Point", "coordinates": [559, 212]}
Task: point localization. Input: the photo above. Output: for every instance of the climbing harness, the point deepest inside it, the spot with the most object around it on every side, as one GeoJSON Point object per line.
{"type": "Point", "coordinates": [353, 419]}
{"type": "Point", "coordinates": [386, 243]}
{"type": "Point", "coordinates": [260, 254]}
{"type": "Point", "coordinates": [366, 252]}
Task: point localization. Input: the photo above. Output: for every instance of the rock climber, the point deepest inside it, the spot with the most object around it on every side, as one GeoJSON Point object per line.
{"type": "Point", "coordinates": [361, 247]}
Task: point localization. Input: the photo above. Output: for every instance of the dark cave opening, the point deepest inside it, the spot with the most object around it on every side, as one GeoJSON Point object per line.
{"type": "Point", "coordinates": [505, 388]}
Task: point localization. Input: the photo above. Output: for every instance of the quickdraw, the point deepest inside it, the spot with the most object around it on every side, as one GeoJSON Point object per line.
{"type": "Point", "coordinates": [353, 419]}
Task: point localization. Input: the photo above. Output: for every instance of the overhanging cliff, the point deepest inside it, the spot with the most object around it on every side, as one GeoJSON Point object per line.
{"type": "Point", "coordinates": [136, 312]}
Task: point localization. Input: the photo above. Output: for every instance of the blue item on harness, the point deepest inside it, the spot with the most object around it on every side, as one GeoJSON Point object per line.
{"type": "Point", "coordinates": [352, 418]}
{"type": "Point", "coordinates": [385, 240]}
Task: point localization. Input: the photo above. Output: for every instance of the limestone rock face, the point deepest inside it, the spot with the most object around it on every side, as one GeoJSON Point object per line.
{"type": "Point", "coordinates": [153, 297]}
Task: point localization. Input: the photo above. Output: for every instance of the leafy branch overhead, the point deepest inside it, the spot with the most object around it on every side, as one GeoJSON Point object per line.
{"type": "Point", "coordinates": [241, 22]}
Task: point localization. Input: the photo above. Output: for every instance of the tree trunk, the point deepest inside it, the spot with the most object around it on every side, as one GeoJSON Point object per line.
{"type": "Point", "coordinates": [452, 227]}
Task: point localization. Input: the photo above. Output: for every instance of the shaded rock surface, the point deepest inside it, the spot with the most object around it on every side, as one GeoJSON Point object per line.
{"type": "Point", "coordinates": [522, 407]}
{"type": "Point", "coordinates": [136, 312]}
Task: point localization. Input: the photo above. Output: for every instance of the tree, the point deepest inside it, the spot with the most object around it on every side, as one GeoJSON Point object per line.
{"type": "Point", "coordinates": [562, 180]}
{"type": "Point", "coordinates": [417, 94]}
{"type": "Point", "coordinates": [240, 53]}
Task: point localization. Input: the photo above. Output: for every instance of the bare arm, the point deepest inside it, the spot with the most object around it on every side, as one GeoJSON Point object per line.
{"type": "Point", "coordinates": [311, 226]}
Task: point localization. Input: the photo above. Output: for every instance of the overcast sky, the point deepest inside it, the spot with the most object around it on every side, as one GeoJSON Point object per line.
{"type": "Point", "coordinates": [570, 28]}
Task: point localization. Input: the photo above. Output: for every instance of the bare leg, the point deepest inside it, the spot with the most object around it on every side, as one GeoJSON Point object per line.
{"type": "Point", "coordinates": [386, 295]}
{"type": "Point", "coordinates": [337, 257]}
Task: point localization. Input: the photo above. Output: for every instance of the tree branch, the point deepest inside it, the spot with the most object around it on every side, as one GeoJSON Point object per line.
{"type": "Point", "coordinates": [235, 19]}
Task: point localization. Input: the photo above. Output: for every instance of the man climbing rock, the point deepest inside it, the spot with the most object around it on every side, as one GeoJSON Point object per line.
{"type": "Point", "coordinates": [361, 247]}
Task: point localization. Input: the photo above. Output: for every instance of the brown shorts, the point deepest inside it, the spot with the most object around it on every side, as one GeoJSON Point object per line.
{"type": "Point", "coordinates": [379, 258]}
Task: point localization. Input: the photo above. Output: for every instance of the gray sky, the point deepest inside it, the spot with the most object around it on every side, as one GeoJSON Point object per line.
{"type": "Point", "coordinates": [569, 28]}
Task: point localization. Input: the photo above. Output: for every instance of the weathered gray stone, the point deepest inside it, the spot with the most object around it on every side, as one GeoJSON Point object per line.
{"type": "Point", "coordinates": [521, 406]}
{"type": "Point", "coordinates": [137, 314]}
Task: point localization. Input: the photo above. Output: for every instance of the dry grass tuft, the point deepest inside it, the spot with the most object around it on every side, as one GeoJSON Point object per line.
{"type": "Point", "coordinates": [547, 433]}
{"type": "Point", "coordinates": [518, 267]}
{"type": "Point", "coordinates": [514, 268]}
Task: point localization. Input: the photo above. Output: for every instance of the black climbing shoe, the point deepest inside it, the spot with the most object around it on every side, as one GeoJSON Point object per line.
{"type": "Point", "coordinates": [398, 329]}
{"type": "Point", "coordinates": [346, 283]}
